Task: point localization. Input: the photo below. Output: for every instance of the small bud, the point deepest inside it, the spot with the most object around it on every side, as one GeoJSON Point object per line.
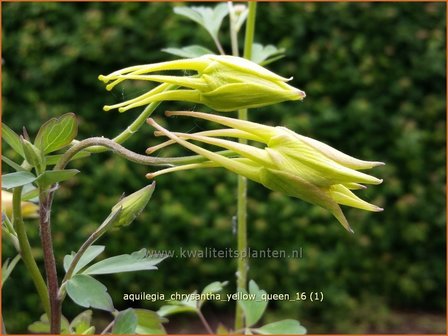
{"type": "Point", "coordinates": [223, 83]}
{"type": "Point", "coordinates": [33, 155]}
{"type": "Point", "coordinates": [133, 205]}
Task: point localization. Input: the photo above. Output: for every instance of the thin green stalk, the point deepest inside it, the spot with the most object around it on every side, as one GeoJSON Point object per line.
{"type": "Point", "coordinates": [132, 128]}
{"type": "Point", "coordinates": [219, 46]}
{"type": "Point", "coordinates": [25, 251]}
{"type": "Point", "coordinates": [233, 31]}
{"type": "Point", "coordinates": [92, 238]}
{"type": "Point", "coordinates": [243, 264]}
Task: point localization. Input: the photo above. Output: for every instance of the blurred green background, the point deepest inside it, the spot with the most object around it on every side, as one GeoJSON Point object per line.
{"type": "Point", "coordinates": [374, 74]}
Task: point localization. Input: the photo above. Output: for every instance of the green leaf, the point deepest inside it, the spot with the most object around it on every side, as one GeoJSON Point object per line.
{"type": "Point", "coordinates": [33, 155]}
{"type": "Point", "coordinates": [81, 323]}
{"type": "Point", "coordinates": [53, 159]}
{"type": "Point", "coordinates": [149, 323]}
{"type": "Point", "coordinates": [136, 261]}
{"type": "Point", "coordinates": [210, 19]}
{"type": "Point", "coordinates": [188, 52]}
{"type": "Point", "coordinates": [214, 287]}
{"type": "Point", "coordinates": [12, 164]}
{"type": "Point", "coordinates": [50, 177]}
{"type": "Point", "coordinates": [57, 133]}
{"type": "Point", "coordinates": [125, 322]}
{"type": "Point", "coordinates": [284, 327]}
{"type": "Point", "coordinates": [89, 292]}
{"type": "Point", "coordinates": [175, 309]}
{"type": "Point", "coordinates": [262, 53]}
{"type": "Point", "coordinates": [255, 306]}
{"type": "Point", "coordinates": [272, 59]}
{"type": "Point", "coordinates": [30, 193]}
{"type": "Point", "coordinates": [18, 179]}
{"type": "Point", "coordinates": [89, 331]}
{"type": "Point", "coordinates": [189, 304]}
{"type": "Point", "coordinates": [12, 139]}
{"type": "Point", "coordinates": [8, 267]}
{"type": "Point", "coordinates": [91, 253]}
{"type": "Point", "coordinates": [43, 326]}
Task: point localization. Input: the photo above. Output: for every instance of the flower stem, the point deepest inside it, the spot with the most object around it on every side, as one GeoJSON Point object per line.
{"type": "Point", "coordinates": [97, 142]}
{"type": "Point", "coordinates": [92, 238]}
{"type": "Point", "coordinates": [25, 251]}
{"type": "Point", "coordinates": [132, 128]}
{"type": "Point", "coordinates": [233, 31]}
{"type": "Point", "coordinates": [45, 200]}
{"type": "Point", "coordinates": [243, 264]}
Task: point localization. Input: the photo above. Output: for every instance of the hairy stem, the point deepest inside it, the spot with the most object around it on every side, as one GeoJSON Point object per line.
{"type": "Point", "coordinates": [25, 251]}
{"type": "Point", "coordinates": [45, 201]}
{"type": "Point", "coordinates": [121, 151]}
{"type": "Point", "coordinates": [243, 264]}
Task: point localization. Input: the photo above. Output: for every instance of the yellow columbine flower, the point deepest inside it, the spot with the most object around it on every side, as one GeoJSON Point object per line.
{"type": "Point", "coordinates": [290, 163]}
{"type": "Point", "coordinates": [224, 83]}
{"type": "Point", "coordinates": [29, 210]}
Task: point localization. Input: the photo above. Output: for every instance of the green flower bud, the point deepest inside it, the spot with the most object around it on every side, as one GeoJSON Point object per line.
{"type": "Point", "coordinates": [224, 83]}
{"type": "Point", "coordinates": [133, 205]}
{"type": "Point", "coordinates": [290, 163]}
{"type": "Point", "coordinates": [33, 155]}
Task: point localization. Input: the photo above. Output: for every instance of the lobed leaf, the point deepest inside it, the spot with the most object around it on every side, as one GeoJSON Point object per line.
{"type": "Point", "coordinates": [210, 19]}
{"type": "Point", "coordinates": [136, 261]}
{"type": "Point", "coordinates": [89, 292]}
{"type": "Point", "coordinates": [213, 287]}
{"type": "Point", "coordinates": [149, 323]}
{"type": "Point", "coordinates": [91, 253]}
{"type": "Point", "coordinates": [125, 322]}
{"type": "Point", "coordinates": [253, 307]}
{"type": "Point", "coordinates": [261, 54]}
{"type": "Point", "coordinates": [189, 52]}
{"type": "Point", "coordinates": [284, 327]}
{"type": "Point", "coordinates": [175, 309]}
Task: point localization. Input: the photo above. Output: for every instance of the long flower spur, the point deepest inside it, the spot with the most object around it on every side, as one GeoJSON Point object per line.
{"type": "Point", "coordinates": [223, 83]}
{"type": "Point", "coordinates": [290, 163]}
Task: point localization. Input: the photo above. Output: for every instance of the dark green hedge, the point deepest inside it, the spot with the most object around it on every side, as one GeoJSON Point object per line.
{"type": "Point", "coordinates": [374, 74]}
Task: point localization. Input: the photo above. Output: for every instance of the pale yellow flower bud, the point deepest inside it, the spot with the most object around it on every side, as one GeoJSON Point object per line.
{"type": "Point", "coordinates": [290, 163]}
{"type": "Point", "coordinates": [224, 83]}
